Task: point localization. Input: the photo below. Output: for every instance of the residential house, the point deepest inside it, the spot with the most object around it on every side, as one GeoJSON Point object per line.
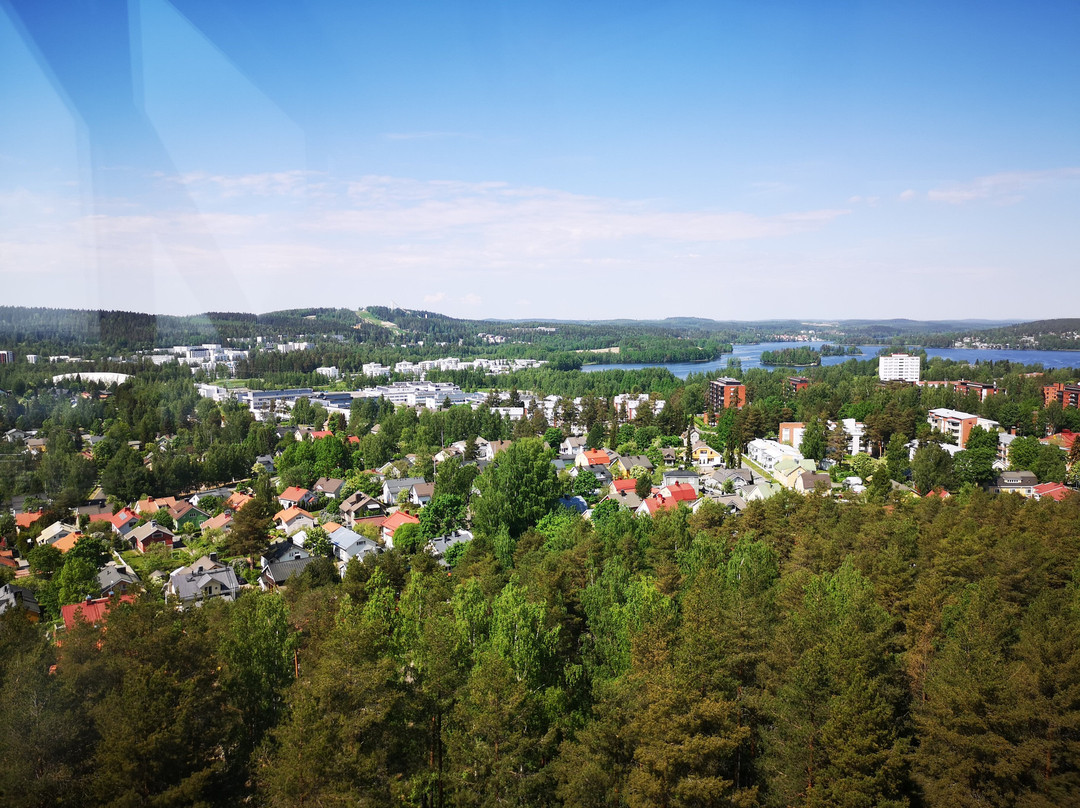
{"type": "Point", "coordinates": [740, 478]}
{"type": "Point", "coordinates": [601, 473]}
{"type": "Point", "coordinates": [788, 470]}
{"type": "Point", "coordinates": [421, 493]}
{"type": "Point", "coordinates": [329, 486]}
{"type": "Point", "coordinates": [56, 531]}
{"type": "Point", "coordinates": [1016, 482]}
{"type": "Point", "coordinates": [222, 522]}
{"type": "Point", "coordinates": [572, 446]}
{"type": "Point", "coordinates": [624, 499]}
{"type": "Point", "coordinates": [678, 491]}
{"type": "Point", "coordinates": [438, 546]}
{"type": "Point", "coordinates": [124, 521]}
{"type": "Point", "coordinates": [492, 448]}
{"type": "Point", "coordinates": [286, 550]}
{"type": "Point", "coordinates": [237, 500]}
{"type": "Point", "coordinates": [349, 544]}
{"type": "Point", "coordinates": [293, 519]}
{"type": "Point", "coordinates": [593, 457]}
{"type": "Point", "coordinates": [204, 579]}
{"type": "Point", "coordinates": [358, 505]}
{"type": "Point", "coordinates": [278, 573]}
{"type": "Point", "coordinates": [185, 513]}
{"type": "Point", "coordinates": [264, 463]}
{"type": "Point", "coordinates": [808, 481]}
{"type": "Point", "coordinates": [623, 484]}
{"type": "Point", "coordinates": [732, 503]}
{"type": "Point", "coordinates": [116, 578]}
{"type": "Point", "coordinates": [702, 454]}
{"type": "Point", "coordinates": [392, 489]}
{"type": "Point", "coordinates": [150, 506]}
{"type": "Point", "coordinates": [1054, 491]}
{"type": "Point", "coordinates": [65, 543]}
{"type": "Point", "coordinates": [151, 533]}
{"type": "Point", "coordinates": [16, 597]}
{"type": "Point", "coordinates": [296, 497]}
{"type": "Point", "coordinates": [393, 522]}
{"type": "Point", "coordinates": [624, 465]}
{"type": "Point", "coordinates": [25, 520]}
{"type": "Point", "coordinates": [92, 611]}
{"type": "Point", "coordinates": [760, 490]}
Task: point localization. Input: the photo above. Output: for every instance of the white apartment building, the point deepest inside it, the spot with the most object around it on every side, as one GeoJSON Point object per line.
{"type": "Point", "coordinates": [898, 368]}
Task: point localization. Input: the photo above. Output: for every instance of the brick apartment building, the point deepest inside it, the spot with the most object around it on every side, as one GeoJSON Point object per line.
{"type": "Point", "coordinates": [1067, 394]}
{"type": "Point", "coordinates": [726, 392]}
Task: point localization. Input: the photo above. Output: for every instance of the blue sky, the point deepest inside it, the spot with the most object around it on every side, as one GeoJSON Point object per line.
{"type": "Point", "coordinates": [730, 160]}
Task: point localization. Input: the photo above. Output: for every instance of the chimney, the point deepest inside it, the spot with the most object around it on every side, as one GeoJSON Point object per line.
{"type": "Point", "coordinates": [212, 556]}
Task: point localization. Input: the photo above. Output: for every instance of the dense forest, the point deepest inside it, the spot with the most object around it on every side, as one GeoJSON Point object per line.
{"type": "Point", "coordinates": [802, 356]}
{"type": "Point", "coordinates": [808, 652]}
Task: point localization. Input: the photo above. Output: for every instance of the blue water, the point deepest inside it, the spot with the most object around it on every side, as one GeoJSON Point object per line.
{"type": "Point", "coordinates": [750, 357]}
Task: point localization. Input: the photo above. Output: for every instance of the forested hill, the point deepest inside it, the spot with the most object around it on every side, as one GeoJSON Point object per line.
{"type": "Point", "coordinates": [1047, 335]}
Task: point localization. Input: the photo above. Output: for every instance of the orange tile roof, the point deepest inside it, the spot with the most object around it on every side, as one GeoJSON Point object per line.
{"type": "Point", "coordinates": [681, 492]}
{"type": "Point", "coordinates": [66, 543]}
{"type": "Point", "coordinates": [24, 520]}
{"type": "Point", "coordinates": [627, 484]}
{"type": "Point", "coordinates": [288, 514]}
{"type": "Point", "coordinates": [294, 493]}
{"type": "Point", "coordinates": [237, 500]}
{"type": "Point", "coordinates": [596, 457]}
{"type": "Point", "coordinates": [397, 519]}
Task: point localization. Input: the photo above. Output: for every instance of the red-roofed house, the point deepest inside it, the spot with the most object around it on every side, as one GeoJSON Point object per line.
{"type": "Point", "coordinates": [593, 457]}
{"type": "Point", "coordinates": [1054, 491]}
{"type": "Point", "coordinates": [354, 440]}
{"type": "Point", "coordinates": [237, 500]}
{"type": "Point", "coordinates": [220, 522]}
{"type": "Point", "coordinates": [293, 519]}
{"type": "Point", "coordinates": [25, 520]}
{"type": "Point", "coordinates": [680, 492]}
{"type": "Point", "coordinates": [150, 506]}
{"type": "Point", "coordinates": [65, 543]}
{"type": "Point", "coordinates": [295, 497]}
{"type": "Point", "coordinates": [322, 433]}
{"type": "Point", "coordinates": [393, 522]}
{"type": "Point", "coordinates": [622, 485]}
{"type": "Point", "coordinates": [93, 612]}
{"type": "Point", "coordinates": [657, 503]}
{"type": "Point", "coordinates": [123, 521]}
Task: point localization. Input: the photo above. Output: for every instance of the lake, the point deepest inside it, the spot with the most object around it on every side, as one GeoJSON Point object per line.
{"type": "Point", "coordinates": [750, 357]}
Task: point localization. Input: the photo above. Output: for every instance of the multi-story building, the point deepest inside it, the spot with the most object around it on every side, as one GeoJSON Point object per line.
{"type": "Point", "coordinates": [958, 424]}
{"type": "Point", "coordinates": [726, 392]}
{"type": "Point", "coordinates": [7, 357]}
{"type": "Point", "coordinates": [797, 383]}
{"type": "Point", "coordinates": [1068, 395]}
{"type": "Point", "coordinates": [898, 367]}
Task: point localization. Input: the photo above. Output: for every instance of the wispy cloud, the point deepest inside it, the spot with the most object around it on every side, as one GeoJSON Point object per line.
{"type": "Point", "coordinates": [1006, 187]}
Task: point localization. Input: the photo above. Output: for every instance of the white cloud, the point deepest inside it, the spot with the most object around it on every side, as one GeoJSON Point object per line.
{"type": "Point", "coordinates": [908, 195]}
{"type": "Point", "coordinates": [1007, 187]}
{"type": "Point", "coordinates": [247, 239]}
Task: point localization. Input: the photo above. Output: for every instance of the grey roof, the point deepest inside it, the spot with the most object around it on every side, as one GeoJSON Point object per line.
{"type": "Point", "coordinates": [629, 461]}
{"type": "Point", "coordinates": [281, 571]}
{"type": "Point", "coordinates": [395, 487]}
{"type": "Point", "coordinates": [187, 582]}
{"type": "Point", "coordinates": [282, 551]}
{"type": "Point", "coordinates": [575, 504]}
{"type": "Point", "coordinates": [15, 597]}
{"type": "Point", "coordinates": [439, 546]}
{"type": "Point", "coordinates": [151, 527]}
{"type": "Point", "coordinates": [1017, 478]}
{"type": "Point", "coordinates": [113, 575]}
